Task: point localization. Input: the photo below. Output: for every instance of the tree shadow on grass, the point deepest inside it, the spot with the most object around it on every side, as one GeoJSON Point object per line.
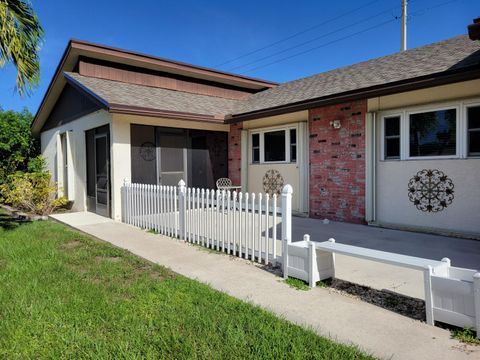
{"type": "Point", "coordinates": [8, 222]}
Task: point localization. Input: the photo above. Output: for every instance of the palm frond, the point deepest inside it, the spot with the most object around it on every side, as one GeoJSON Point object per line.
{"type": "Point", "coordinates": [20, 41]}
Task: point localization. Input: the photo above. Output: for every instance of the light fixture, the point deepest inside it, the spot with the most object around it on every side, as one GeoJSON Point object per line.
{"type": "Point", "coordinates": [336, 124]}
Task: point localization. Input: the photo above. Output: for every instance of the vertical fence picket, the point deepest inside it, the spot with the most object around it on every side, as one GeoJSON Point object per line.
{"type": "Point", "coordinates": [156, 195]}
{"type": "Point", "coordinates": [170, 211]}
{"type": "Point", "coordinates": [222, 216]}
{"type": "Point", "coordinates": [234, 220]}
{"type": "Point", "coordinates": [259, 227]}
{"type": "Point", "coordinates": [253, 228]}
{"type": "Point", "coordinates": [267, 228]}
{"type": "Point", "coordinates": [216, 223]}
{"type": "Point", "coordinates": [229, 226]}
{"type": "Point", "coordinates": [240, 223]}
{"type": "Point", "coordinates": [274, 228]}
{"type": "Point", "coordinates": [176, 219]}
{"type": "Point", "coordinates": [188, 212]}
{"type": "Point", "coordinates": [245, 229]}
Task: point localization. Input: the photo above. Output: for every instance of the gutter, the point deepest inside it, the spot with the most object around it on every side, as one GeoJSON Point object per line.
{"type": "Point", "coordinates": [446, 77]}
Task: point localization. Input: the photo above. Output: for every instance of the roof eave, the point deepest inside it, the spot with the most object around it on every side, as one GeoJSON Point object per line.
{"type": "Point", "coordinates": [443, 78]}
{"type": "Point", "coordinates": [143, 111]}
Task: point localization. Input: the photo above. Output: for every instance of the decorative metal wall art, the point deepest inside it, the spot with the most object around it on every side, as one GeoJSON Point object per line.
{"type": "Point", "coordinates": [273, 182]}
{"type": "Point", "coordinates": [430, 190]}
{"type": "Point", "coordinates": [147, 151]}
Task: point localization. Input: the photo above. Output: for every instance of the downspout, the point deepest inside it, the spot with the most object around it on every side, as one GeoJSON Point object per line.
{"type": "Point", "coordinates": [370, 168]}
{"type": "Point", "coordinates": [374, 167]}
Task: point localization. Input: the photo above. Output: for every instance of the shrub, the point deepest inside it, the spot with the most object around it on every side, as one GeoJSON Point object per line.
{"type": "Point", "coordinates": [33, 191]}
{"type": "Point", "coordinates": [17, 144]}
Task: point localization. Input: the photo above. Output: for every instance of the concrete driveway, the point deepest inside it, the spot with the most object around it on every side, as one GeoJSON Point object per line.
{"type": "Point", "coordinates": [462, 252]}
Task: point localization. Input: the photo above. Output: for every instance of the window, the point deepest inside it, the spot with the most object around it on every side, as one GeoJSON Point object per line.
{"type": "Point", "coordinates": [293, 145]}
{"type": "Point", "coordinates": [255, 148]}
{"type": "Point", "coordinates": [274, 143]}
{"type": "Point", "coordinates": [433, 133]}
{"type": "Point", "coordinates": [473, 128]}
{"type": "Point", "coordinates": [392, 137]}
{"type": "Point", "coordinates": [274, 146]}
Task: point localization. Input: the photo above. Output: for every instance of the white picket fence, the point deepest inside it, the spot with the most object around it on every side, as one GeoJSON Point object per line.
{"type": "Point", "coordinates": [240, 224]}
{"type": "Point", "coordinates": [151, 207]}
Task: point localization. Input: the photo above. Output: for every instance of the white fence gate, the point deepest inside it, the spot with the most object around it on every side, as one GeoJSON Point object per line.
{"type": "Point", "coordinates": [240, 224]}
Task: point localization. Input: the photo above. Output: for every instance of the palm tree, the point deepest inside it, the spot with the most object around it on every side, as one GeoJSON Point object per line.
{"type": "Point", "coordinates": [20, 39]}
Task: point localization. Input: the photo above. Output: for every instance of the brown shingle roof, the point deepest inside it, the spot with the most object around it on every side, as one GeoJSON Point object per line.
{"type": "Point", "coordinates": [131, 95]}
{"type": "Point", "coordinates": [452, 54]}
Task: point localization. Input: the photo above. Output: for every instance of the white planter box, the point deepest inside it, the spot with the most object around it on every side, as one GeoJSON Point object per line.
{"type": "Point", "coordinates": [456, 298]}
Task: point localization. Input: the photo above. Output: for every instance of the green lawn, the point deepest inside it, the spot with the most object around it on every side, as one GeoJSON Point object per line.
{"type": "Point", "coordinates": [66, 295]}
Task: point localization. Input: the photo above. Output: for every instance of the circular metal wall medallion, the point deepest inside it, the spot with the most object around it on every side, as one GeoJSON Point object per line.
{"type": "Point", "coordinates": [272, 182]}
{"type": "Point", "coordinates": [147, 151]}
{"type": "Point", "coordinates": [430, 190]}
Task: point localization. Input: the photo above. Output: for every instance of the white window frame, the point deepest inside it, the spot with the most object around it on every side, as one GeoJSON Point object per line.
{"type": "Point", "coordinates": [465, 114]}
{"type": "Point", "coordinates": [382, 140]}
{"type": "Point", "coordinates": [461, 129]}
{"type": "Point", "coordinates": [457, 133]}
{"type": "Point", "coordinates": [261, 133]}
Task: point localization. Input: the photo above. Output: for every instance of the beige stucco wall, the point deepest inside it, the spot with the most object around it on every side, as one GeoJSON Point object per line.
{"type": "Point", "coordinates": [291, 172]}
{"type": "Point", "coordinates": [276, 120]}
{"type": "Point", "coordinates": [393, 207]}
{"type": "Point", "coordinates": [176, 123]}
{"type": "Point", "coordinates": [77, 167]}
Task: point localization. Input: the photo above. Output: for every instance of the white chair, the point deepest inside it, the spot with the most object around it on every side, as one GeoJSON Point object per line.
{"type": "Point", "coordinates": [226, 184]}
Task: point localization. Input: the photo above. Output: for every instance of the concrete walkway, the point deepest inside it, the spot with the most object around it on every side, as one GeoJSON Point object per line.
{"type": "Point", "coordinates": [342, 318]}
{"type": "Point", "coordinates": [462, 252]}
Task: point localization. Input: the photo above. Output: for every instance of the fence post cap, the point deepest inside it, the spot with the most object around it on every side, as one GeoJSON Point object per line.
{"type": "Point", "coordinates": [476, 275]}
{"type": "Point", "coordinates": [181, 183]}
{"type": "Point", "coordinates": [287, 189]}
{"type": "Point", "coordinates": [306, 237]}
{"type": "Point", "coordinates": [332, 240]}
{"type": "Point", "coordinates": [446, 260]}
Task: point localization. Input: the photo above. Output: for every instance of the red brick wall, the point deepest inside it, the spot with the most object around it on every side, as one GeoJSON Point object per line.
{"type": "Point", "coordinates": [337, 162]}
{"type": "Point", "coordinates": [234, 152]}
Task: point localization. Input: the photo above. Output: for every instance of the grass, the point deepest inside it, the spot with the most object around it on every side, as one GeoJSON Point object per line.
{"type": "Point", "coordinates": [67, 295]}
{"type": "Point", "coordinates": [297, 284]}
{"type": "Point", "coordinates": [466, 335]}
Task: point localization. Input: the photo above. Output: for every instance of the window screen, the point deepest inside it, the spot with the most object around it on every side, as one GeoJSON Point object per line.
{"type": "Point", "coordinates": [255, 148]}
{"type": "Point", "coordinates": [433, 133]}
{"type": "Point", "coordinates": [274, 143]}
{"type": "Point", "coordinates": [392, 137]}
{"type": "Point", "coordinates": [473, 124]}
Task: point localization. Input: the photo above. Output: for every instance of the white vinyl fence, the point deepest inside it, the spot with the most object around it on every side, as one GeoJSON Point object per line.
{"type": "Point", "coordinates": [452, 295]}
{"type": "Point", "coordinates": [241, 224]}
{"type": "Point", "coordinates": [245, 225]}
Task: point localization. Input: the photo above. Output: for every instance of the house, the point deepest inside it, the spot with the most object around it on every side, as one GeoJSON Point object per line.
{"type": "Point", "coordinates": [393, 141]}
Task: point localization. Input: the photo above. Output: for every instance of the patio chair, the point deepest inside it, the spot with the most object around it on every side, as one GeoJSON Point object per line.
{"type": "Point", "coordinates": [226, 184]}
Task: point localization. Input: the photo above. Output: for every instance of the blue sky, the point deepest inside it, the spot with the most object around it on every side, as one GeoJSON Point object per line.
{"type": "Point", "coordinates": [210, 33]}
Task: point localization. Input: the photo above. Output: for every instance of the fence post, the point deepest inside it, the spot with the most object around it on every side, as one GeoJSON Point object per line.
{"type": "Point", "coordinates": [476, 301]}
{"type": "Point", "coordinates": [181, 209]}
{"type": "Point", "coordinates": [312, 261]}
{"type": "Point", "coordinates": [286, 225]}
{"type": "Point", "coordinates": [427, 279]}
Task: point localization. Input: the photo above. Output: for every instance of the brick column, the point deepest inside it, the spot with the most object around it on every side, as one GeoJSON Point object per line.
{"type": "Point", "coordinates": [337, 162]}
{"type": "Point", "coordinates": [234, 153]}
